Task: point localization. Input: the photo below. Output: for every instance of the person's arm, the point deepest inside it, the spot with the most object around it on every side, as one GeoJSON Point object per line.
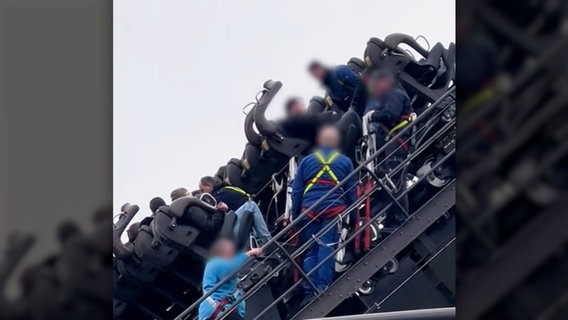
{"type": "Point", "coordinates": [298, 186]}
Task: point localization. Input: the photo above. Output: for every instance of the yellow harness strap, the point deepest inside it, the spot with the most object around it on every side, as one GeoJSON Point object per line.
{"type": "Point", "coordinates": [399, 126]}
{"type": "Point", "coordinates": [324, 169]}
{"type": "Point", "coordinates": [239, 190]}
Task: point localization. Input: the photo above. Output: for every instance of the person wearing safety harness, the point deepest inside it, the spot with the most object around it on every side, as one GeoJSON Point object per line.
{"type": "Point", "coordinates": [223, 260]}
{"type": "Point", "coordinates": [391, 112]}
{"type": "Point", "coordinates": [235, 199]}
{"type": "Point", "coordinates": [317, 174]}
{"type": "Point", "coordinates": [340, 81]}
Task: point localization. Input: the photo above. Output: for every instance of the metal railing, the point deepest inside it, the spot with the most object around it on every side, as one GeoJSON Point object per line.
{"type": "Point", "coordinates": [447, 98]}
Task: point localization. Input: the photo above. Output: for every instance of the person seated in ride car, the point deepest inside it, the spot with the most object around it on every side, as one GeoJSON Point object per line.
{"type": "Point", "coordinates": [236, 199]}
{"type": "Point", "coordinates": [389, 107]}
{"type": "Point", "coordinates": [342, 84]}
{"type": "Point", "coordinates": [298, 123]}
{"type": "Point", "coordinates": [223, 260]}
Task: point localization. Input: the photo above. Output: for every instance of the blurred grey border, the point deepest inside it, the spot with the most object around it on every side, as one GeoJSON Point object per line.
{"type": "Point", "coordinates": [512, 155]}
{"type": "Point", "coordinates": [55, 138]}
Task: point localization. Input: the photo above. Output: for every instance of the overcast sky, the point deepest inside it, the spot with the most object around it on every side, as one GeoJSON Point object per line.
{"type": "Point", "coordinates": [184, 69]}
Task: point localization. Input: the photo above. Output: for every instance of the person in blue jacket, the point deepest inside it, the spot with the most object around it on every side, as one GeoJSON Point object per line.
{"type": "Point", "coordinates": [223, 260]}
{"type": "Point", "coordinates": [343, 85]}
{"type": "Point", "coordinates": [317, 174]}
{"type": "Point", "coordinates": [235, 199]}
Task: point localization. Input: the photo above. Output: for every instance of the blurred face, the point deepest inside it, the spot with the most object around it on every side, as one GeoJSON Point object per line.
{"type": "Point", "coordinates": [328, 137]}
{"type": "Point", "coordinates": [297, 108]}
{"type": "Point", "coordinates": [228, 250]}
{"type": "Point", "coordinates": [318, 73]}
{"type": "Point", "coordinates": [377, 87]}
{"type": "Point", "coordinates": [205, 187]}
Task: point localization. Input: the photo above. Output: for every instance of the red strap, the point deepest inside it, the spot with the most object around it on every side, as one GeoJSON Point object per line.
{"type": "Point", "coordinates": [327, 214]}
{"type": "Point", "coordinates": [326, 182]}
{"type": "Point", "coordinates": [218, 309]}
{"type": "Point", "coordinates": [367, 187]}
{"type": "Point", "coordinates": [358, 236]}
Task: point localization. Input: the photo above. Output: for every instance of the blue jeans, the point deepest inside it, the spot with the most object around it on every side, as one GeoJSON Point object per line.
{"type": "Point", "coordinates": [260, 229]}
{"type": "Point", "coordinates": [316, 253]}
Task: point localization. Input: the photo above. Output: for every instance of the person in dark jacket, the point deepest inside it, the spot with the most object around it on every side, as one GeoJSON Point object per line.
{"type": "Point", "coordinates": [235, 199]}
{"type": "Point", "coordinates": [341, 82]}
{"type": "Point", "coordinates": [389, 110]}
{"type": "Point", "coordinates": [301, 125]}
{"type": "Point", "coordinates": [316, 175]}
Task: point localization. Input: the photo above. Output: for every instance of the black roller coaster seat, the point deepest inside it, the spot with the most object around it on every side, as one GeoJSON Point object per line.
{"type": "Point", "coordinates": [317, 105]}
{"type": "Point", "coordinates": [289, 147]}
{"type": "Point", "coordinates": [152, 250]}
{"type": "Point", "coordinates": [122, 288]}
{"type": "Point", "coordinates": [172, 233]}
{"type": "Point", "coordinates": [137, 270]}
{"type": "Point", "coordinates": [233, 173]}
{"type": "Point", "coordinates": [251, 157]}
{"type": "Point", "coordinates": [351, 128]}
{"type": "Point", "coordinates": [356, 65]}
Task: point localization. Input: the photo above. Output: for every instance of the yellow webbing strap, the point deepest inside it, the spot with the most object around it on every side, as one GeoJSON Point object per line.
{"type": "Point", "coordinates": [239, 190]}
{"type": "Point", "coordinates": [325, 168]}
{"type": "Point", "coordinates": [400, 125]}
{"type": "Point", "coordinates": [328, 101]}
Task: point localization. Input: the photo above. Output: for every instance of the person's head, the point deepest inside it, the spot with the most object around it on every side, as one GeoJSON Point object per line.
{"type": "Point", "coordinates": [132, 231]}
{"type": "Point", "coordinates": [178, 193]}
{"type": "Point", "coordinates": [224, 248]}
{"type": "Point", "coordinates": [329, 137]}
{"type": "Point", "coordinates": [207, 184]}
{"type": "Point", "coordinates": [317, 70]}
{"type": "Point", "coordinates": [379, 82]}
{"type": "Point", "coordinates": [294, 106]}
{"type": "Point", "coordinates": [156, 203]}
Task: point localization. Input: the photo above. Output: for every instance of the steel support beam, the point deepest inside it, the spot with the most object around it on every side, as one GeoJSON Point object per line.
{"type": "Point", "coordinates": [516, 260]}
{"type": "Point", "coordinates": [352, 280]}
{"type": "Point", "coordinates": [420, 314]}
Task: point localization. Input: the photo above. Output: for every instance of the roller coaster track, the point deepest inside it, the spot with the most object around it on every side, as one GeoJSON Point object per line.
{"type": "Point", "coordinates": [353, 278]}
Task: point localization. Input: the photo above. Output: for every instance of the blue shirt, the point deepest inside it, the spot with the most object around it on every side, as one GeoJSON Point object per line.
{"type": "Point", "coordinates": [217, 269]}
{"type": "Point", "coordinates": [308, 169]}
{"type": "Point", "coordinates": [341, 83]}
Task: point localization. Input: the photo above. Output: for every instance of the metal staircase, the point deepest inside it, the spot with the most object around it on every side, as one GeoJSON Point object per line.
{"type": "Point", "coordinates": [410, 239]}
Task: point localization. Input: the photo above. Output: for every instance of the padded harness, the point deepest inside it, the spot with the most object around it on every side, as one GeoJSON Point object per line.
{"type": "Point", "coordinates": [324, 169]}
{"type": "Point", "coordinates": [239, 190]}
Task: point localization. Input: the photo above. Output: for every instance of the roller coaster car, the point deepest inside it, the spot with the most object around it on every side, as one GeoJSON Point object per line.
{"type": "Point", "coordinates": [425, 79]}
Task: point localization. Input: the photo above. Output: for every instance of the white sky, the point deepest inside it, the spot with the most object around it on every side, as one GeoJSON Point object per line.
{"type": "Point", "coordinates": [184, 69]}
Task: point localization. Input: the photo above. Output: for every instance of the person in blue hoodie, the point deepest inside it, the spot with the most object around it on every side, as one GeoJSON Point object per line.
{"type": "Point", "coordinates": [317, 174]}
{"type": "Point", "coordinates": [344, 86]}
{"type": "Point", "coordinates": [223, 259]}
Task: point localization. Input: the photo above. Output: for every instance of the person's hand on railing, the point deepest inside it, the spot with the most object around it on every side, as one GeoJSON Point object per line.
{"type": "Point", "coordinates": [254, 252]}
